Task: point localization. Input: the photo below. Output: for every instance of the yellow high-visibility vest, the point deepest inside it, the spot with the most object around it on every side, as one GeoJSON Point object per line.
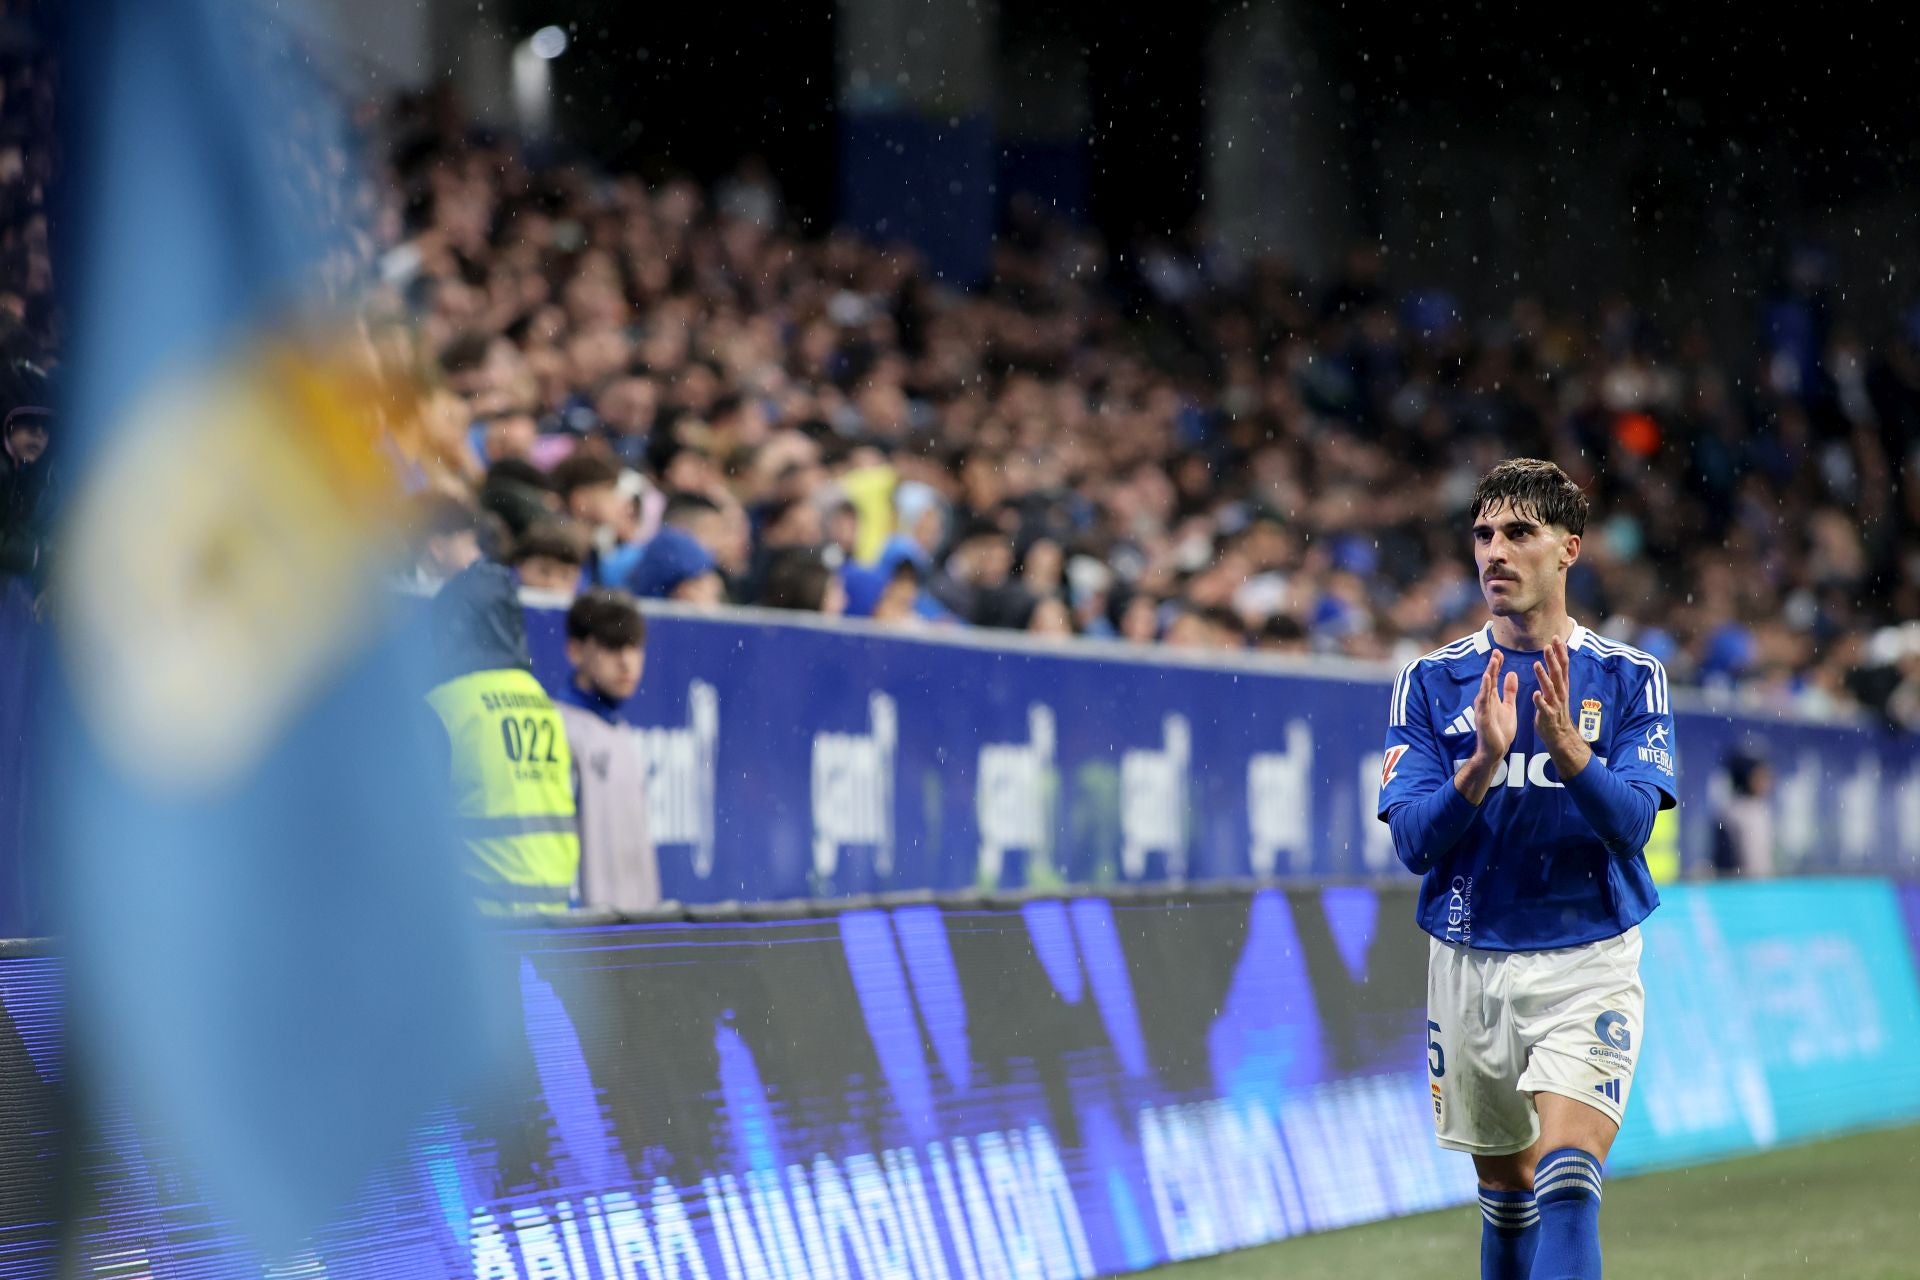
{"type": "Point", "coordinates": [512, 790]}
{"type": "Point", "coordinates": [1663, 847]}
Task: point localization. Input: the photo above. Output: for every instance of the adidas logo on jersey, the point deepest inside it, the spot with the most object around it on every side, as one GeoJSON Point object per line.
{"type": "Point", "coordinates": [1462, 723]}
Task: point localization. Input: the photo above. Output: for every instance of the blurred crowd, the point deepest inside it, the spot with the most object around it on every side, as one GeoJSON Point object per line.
{"type": "Point", "coordinates": [674, 390]}
{"type": "Point", "coordinates": [29, 327]}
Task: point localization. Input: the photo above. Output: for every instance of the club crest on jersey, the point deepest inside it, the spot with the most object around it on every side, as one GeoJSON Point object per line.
{"type": "Point", "coordinates": [1590, 720]}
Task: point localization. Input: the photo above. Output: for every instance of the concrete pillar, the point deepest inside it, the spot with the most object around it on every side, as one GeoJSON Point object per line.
{"type": "Point", "coordinates": [371, 47]}
{"type": "Point", "coordinates": [915, 91]}
{"type": "Point", "coordinates": [1274, 184]}
{"type": "Point", "coordinates": [468, 47]}
{"type": "Point", "coordinates": [1042, 113]}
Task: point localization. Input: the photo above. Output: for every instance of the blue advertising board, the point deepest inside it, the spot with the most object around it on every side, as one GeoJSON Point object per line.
{"type": "Point", "coordinates": [1910, 908]}
{"type": "Point", "coordinates": [792, 759]}
{"type": "Point", "coordinates": [810, 760]}
{"type": "Point", "coordinates": [1775, 1011]}
{"type": "Point", "coordinates": [24, 663]}
{"type": "Point", "coordinates": [1044, 1089]}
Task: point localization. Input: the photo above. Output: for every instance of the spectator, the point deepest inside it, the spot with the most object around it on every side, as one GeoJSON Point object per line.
{"type": "Point", "coordinates": [700, 518]}
{"type": "Point", "coordinates": [509, 434]}
{"type": "Point", "coordinates": [791, 522]}
{"type": "Point", "coordinates": [1206, 628]}
{"type": "Point", "coordinates": [920, 513]}
{"type": "Point", "coordinates": [1282, 633]}
{"type": "Point", "coordinates": [589, 490]}
{"type": "Point", "coordinates": [520, 494]}
{"type": "Point", "coordinates": [28, 492]}
{"type": "Point", "coordinates": [1743, 818]}
{"type": "Point", "coordinates": [1042, 568]}
{"type": "Point", "coordinates": [1050, 617]}
{"type": "Point", "coordinates": [1090, 596]}
{"type": "Point", "coordinates": [1139, 621]}
{"type": "Point", "coordinates": [676, 567]}
{"type": "Point", "coordinates": [448, 539]}
{"type": "Point", "coordinates": [899, 594]}
{"type": "Point", "coordinates": [550, 556]}
{"type": "Point", "coordinates": [799, 578]}
{"type": "Point", "coordinates": [867, 586]}
{"type": "Point", "coordinates": [786, 524]}
{"type": "Point", "coordinates": [618, 547]}
{"type": "Point", "coordinates": [606, 650]}
{"type": "Point", "coordinates": [1282, 448]}
{"type": "Point", "coordinates": [977, 582]}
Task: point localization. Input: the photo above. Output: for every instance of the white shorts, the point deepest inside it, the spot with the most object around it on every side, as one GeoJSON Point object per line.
{"type": "Point", "coordinates": [1505, 1025]}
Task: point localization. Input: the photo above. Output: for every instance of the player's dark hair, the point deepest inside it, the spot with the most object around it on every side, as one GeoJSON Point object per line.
{"type": "Point", "coordinates": [1536, 489]}
{"type": "Point", "coordinates": [609, 618]}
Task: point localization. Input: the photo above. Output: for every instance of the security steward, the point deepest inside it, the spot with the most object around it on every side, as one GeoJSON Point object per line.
{"type": "Point", "coordinates": [511, 771]}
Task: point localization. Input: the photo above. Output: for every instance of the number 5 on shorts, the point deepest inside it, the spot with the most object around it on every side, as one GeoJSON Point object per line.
{"type": "Point", "coordinates": [1436, 1056]}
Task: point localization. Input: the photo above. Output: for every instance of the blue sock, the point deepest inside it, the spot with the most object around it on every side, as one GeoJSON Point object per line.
{"type": "Point", "coordinates": [1509, 1230]}
{"type": "Point", "coordinates": [1566, 1186]}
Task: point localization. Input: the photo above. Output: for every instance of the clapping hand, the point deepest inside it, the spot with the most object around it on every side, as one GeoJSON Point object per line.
{"type": "Point", "coordinates": [1496, 710]}
{"type": "Point", "coordinates": [1496, 719]}
{"type": "Point", "coordinates": [1553, 712]}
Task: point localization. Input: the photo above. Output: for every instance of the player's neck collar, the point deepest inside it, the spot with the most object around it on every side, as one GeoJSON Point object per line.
{"type": "Point", "coordinates": [1483, 642]}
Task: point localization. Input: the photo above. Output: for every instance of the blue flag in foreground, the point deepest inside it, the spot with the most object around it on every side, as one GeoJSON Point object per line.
{"type": "Point", "coordinates": [272, 958]}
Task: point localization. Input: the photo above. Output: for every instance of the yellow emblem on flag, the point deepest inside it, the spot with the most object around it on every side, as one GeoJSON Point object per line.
{"type": "Point", "coordinates": [1590, 720]}
{"type": "Point", "coordinates": [222, 561]}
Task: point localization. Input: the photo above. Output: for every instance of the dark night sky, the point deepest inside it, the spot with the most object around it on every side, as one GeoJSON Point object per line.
{"type": "Point", "coordinates": [1836, 88]}
{"type": "Point", "coordinates": [1710, 114]}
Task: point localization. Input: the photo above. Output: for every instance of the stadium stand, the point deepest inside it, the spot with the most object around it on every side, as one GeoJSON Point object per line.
{"type": "Point", "coordinates": [1173, 446]}
{"type": "Point", "coordinates": [1154, 443]}
{"type": "Point", "coordinates": [1056, 961]}
{"type": "Point", "coordinates": [28, 326]}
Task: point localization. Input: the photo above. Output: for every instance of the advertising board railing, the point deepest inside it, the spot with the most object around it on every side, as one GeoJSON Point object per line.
{"type": "Point", "coordinates": [952, 1091]}
{"type": "Point", "coordinates": [789, 760]}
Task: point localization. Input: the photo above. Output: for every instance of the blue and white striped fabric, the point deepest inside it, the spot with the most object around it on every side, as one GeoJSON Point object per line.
{"type": "Point", "coordinates": [1508, 1212]}
{"type": "Point", "coordinates": [1566, 1174]}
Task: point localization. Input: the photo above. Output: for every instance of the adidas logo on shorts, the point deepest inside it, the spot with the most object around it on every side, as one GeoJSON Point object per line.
{"type": "Point", "coordinates": [1609, 1090]}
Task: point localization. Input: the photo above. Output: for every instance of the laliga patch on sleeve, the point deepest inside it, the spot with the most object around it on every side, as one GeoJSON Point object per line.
{"type": "Point", "coordinates": [1390, 764]}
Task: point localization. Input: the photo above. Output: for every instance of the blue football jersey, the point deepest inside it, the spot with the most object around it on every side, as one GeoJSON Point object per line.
{"type": "Point", "coordinates": [1530, 873]}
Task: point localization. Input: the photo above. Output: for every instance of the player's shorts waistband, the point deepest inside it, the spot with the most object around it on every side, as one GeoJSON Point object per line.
{"type": "Point", "coordinates": [1629, 938]}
